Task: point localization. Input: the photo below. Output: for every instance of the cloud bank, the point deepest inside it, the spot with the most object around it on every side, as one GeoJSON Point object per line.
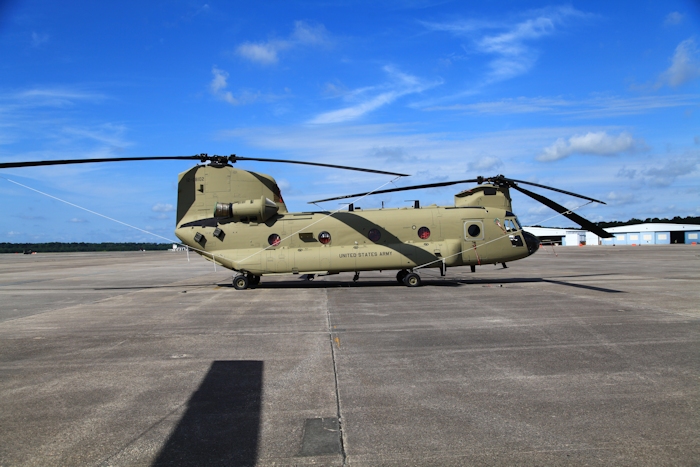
{"type": "Point", "coordinates": [267, 53]}
{"type": "Point", "coordinates": [596, 143]}
{"type": "Point", "coordinates": [374, 97]}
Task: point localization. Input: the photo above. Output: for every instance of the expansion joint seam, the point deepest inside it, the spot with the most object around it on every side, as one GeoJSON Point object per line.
{"type": "Point", "coordinates": [335, 376]}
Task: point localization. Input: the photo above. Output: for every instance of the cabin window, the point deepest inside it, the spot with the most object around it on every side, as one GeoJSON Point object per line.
{"type": "Point", "coordinates": [324, 238]}
{"type": "Point", "coordinates": [374, 235]}
{"type": "Point", "coordinates": [274, 239]}
{"type": "Point", "coordinates": [474, 230]}
{"type": "Point", "coordinates": [424, 233]}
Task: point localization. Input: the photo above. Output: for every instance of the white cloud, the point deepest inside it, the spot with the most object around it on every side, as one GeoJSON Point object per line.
{"type": "Point", "coordinates": [109, 134]}
{"type": "Point", "coordinates": [512, 41]}
{"type": "Point", "coordinates": [77, 220]}
{"type": "Point", "coordinates": [485, 163]}
{"type": "Point", "coordinates": [666, 174]}
{"type": "Point", "coordinates": [673, 18]}
{"type": "Point", "coordinates": [267, 53]}
{"type": "Point", "coordinates": [39, 39]}
{"type": "Point", "coordinates": [619, 199]}
{"type": "Point", "coordinates": [46, 97]}
{"type": "Point", "coordinates": [400, 84]}
{"type": "Point", "coordinates": [309, 34]}
{"type": "Point", "coordinates": [511, 46]}
{"type": "Point", "coordinates": [598, 143]}
{"type": "Point", "coordinates": [685, 65]}
{"type": "Point", "coordinates": [590, 108]}
{"type": "Point", "coordinates": [163, 207]}
{"type": "Point", "coordinates": [218, 86]}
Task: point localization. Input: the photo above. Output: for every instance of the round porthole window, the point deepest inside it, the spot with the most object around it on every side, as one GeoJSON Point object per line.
{"type": "Point", "coordinates": [374, 235]}
{"type": "Point", "coordinates": [474, 230]}
{"type": "Point", "coordinates": [274, 239]}
{"type": "Point", "coordinates": [424, 233]}
{"type": "Point", "coordinates": [324, 238]}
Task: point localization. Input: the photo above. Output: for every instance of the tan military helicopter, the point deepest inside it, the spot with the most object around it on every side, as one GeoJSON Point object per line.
{"type": "Point", "coordinates": [238, 219]}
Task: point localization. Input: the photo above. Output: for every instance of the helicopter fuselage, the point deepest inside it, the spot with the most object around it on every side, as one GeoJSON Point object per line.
{"type": "Point", "coordinates": [380, 239]}
{"type": "Point", "coordinates": [238, 219]}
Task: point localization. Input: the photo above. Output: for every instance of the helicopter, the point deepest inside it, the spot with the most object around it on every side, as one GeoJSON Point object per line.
{"type": "Point", "coordinates": [238, 219]}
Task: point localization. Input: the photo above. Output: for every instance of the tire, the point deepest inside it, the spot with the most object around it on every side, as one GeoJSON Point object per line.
{"type": "Point", "coordinates": [240, 282]}
{"type": "Point", "coordinates": [412, 280]}
{"type": "Point", "coordinates": [401, 275]}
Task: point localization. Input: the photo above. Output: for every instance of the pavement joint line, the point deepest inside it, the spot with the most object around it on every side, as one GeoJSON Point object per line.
{"type": "Point", "coordinates": [105, 462]}
{"type": "Point", "coordinates": [335, 377]}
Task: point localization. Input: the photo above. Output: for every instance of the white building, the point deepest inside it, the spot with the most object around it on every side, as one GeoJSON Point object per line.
{"type": "Point", "coordinates": [638, 234]}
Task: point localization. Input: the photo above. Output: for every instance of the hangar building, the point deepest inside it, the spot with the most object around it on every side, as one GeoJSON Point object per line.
{"type": "Point", "coordinates": [638, 234]}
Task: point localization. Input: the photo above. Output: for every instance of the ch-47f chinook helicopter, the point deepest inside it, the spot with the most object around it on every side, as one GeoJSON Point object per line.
{"type": "Point", "coordinates": [238, 219]}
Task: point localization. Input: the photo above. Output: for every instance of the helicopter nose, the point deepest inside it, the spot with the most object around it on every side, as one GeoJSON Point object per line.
{"type": "Point", "coordinates": [532, 242]}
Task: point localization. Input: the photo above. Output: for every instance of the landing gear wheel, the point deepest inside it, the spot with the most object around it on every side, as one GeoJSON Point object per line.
{"type": "Point", "coordinates": [401, 275]}
{"type": "Point", "coordinates": [412, 280]}
{"type": "Point", "coordinates": [240, 282]}
{"type": "Point", "coordinates": [253, 279]}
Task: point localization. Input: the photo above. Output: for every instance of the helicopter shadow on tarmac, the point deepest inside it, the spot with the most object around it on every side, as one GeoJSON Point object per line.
{"type": "Point", "coordinates": [222, 422]}
{"type": "Point", "coordinates": [427, 282]}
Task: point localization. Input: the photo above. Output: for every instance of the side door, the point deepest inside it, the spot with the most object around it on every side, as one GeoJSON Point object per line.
{"type": "Point", "coordinates": [472, 241]}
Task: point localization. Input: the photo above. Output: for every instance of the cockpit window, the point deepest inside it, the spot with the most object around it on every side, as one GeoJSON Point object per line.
{"type": "Point", "coordinates": [510, 225]}
{"type": "Point", "coordinates": [517, 223]}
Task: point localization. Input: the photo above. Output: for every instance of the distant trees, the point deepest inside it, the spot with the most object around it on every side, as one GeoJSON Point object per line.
{"type": "Point", "coordinates": [58, 247]}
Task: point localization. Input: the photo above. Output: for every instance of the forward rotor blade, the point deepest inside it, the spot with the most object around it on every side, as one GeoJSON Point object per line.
{"type": "Point", "coordinates": [10, 165]}
{"type": "Point", "coordinates": [554, 189]}
{"type": "Point", "coordinates": [235, 158]}
{"type": "Point", "coordinates": [393, 190]}
{"type": "Point", "coordinates": [585, 223]}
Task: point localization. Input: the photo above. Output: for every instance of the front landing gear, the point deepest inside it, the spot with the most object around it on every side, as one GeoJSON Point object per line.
{"type": "Point", "coordinates": [401, 275]}
{"type": "Point", "coordinates": [412, 280]}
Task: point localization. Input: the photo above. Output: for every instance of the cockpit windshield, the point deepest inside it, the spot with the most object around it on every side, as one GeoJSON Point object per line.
{"type": "Point", "coordinates": [512, 225]}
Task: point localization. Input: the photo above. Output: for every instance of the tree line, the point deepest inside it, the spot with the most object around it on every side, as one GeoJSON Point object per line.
{"type": "Point", "coordinates": [60, 247]}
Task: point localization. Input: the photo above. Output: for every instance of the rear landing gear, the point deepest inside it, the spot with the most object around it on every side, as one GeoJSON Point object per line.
{"type": "Point", "coordinates": [240, 282]}
{"type": "Point", "coordinates": [356, 277]}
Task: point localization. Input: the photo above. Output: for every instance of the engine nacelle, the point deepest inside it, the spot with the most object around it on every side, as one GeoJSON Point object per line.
{"type": "Point", "coordinates": [252, 210]}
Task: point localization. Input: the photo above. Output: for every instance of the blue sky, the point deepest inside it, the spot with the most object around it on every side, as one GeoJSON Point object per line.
{"type": "Point", "coordinates": [599, 98]}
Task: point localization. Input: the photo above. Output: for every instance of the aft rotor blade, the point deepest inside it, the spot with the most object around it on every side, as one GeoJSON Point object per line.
{"type": "Point", "coordinates": [393, 190]}
{"type": "Point", "coordinates": [198, 157]}
{"type": "Point", "coordinates": [235, 158]}
{"type": "Point", "coordinates": [585, 223]}
{"type": "Point", "coordinates": [10, 165]}
{"type": "Point", "coordinates": [555, 189]}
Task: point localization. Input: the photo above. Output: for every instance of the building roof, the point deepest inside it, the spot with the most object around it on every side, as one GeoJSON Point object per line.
{"type": "Point", "coordinates": [653, 228]}
{"type": "Point", "coordinates": [649, 227]}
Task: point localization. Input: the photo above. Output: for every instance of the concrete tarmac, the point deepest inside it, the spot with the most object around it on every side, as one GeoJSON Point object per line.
{"type": "Point", "coordinates": [574, 356]}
